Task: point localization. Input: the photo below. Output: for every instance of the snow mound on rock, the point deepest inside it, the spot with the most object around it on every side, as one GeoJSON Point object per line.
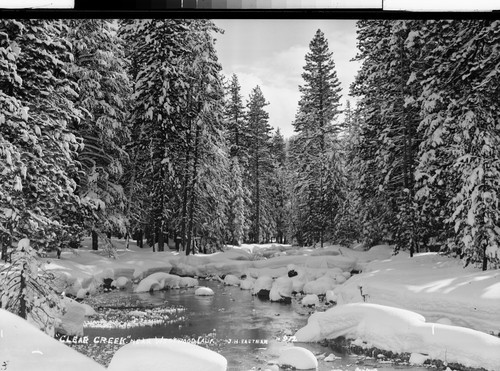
{"type": "Point", "coordinates": [282, 288]}
{"type": "Point", "coordinates": [262, 283]}
{"type": "Point", "coordinates": [310, 299]}
{"type": "Point", "coordinates": [162, 354]}
{"type": "Point", "coordinates": [299, 358]}
{"type": "Point", "coordinates": [403, 331]}
{"type": "Point", "coordinates": [231, 280]}
{"type": "Point", "coordinates": [247, 283]}
{"type": "Point", "coordinates": [204, 291]}
{"type": "Point", "coordinates": [148, 284]}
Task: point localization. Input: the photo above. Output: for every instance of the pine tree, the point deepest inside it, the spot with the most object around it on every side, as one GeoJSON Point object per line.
{"type": "Point", "coordinates": [260, 165]}
{"type": "Point", "coordinates": [27, 289]}
{"type": "Point", "coordinates": [459, 158]}
{"type": "Point", "coordinates": [237, 211]}
{"type": "Point", "coordinates": [317, 152]}
{"type": "Point", "coordinates": [280, 193]}
{"type": "Point", "coordinates": [388, 138]}
{"type": "Point", "coordinates": [99, 70]}
{"type": "Point", "coordinates": [235, 117]}
{"type": "Point", "coordinates": [38, 167]}
{"type": "Point", "coordinates": [39, 151]}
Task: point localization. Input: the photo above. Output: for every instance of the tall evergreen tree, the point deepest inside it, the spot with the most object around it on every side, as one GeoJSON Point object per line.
{"type": "Point", "coordinates": [38, 167]}
{"type": "Point", "coordinates": [459, 158]}
{"type": "Point", "coordinates": [99, 70]}
{"type": "Point", "coordinates": [260, 166]}
{"type": "Point", "coordinates": [389, 140]}
{"type": "Point", "coordinates": [318, 167]}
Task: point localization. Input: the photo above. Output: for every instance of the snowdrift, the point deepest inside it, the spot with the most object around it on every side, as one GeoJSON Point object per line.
{"type": "Point", "coordinates": [435, 286]}
{"type": "Point", "coordinates": [162, 354]}
{"type": "Point", "coordinates": [401, 331]}
{"type": "Point", "coordinates": [23, 347]}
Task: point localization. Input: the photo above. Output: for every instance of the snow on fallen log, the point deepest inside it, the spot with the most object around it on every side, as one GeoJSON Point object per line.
{"type": "Point", "coordinates": [161, 354]}
{"type": "Point", "coordinates": [402, 331]}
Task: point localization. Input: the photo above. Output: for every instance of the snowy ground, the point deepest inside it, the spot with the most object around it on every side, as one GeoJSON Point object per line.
{"type": "Point", "coordinates": [397, 303]}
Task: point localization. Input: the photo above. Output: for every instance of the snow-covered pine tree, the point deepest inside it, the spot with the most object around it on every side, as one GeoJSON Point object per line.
{"type": "Point", "coordinates": [37, 164]}
{"type": "Point", "coordinates": [208, 145]}
{"type": "Point", "coordinates": [280, 187]}
{"type": "Point", "coordinates": [39, 151]}
{"type": "Point", "coordinates": [317, 166]}
{"type": "Point", "coordinates": [27, 289]}
{"type": "Point", "coordinates": [260, 166]}
{"type": "Point", "coordinates": [238, 141]}
{"type": "Point", "coordinates": [156, 50]}
{"type": "Point", "coordinates": [460, 115]}
{"type": "Point", "coordinates": [389, 140]}
{"type": "Point", "coordinates": [348, 227]}
{"type": "Point", "coordinates": [99, 70]}
{"type": "Point", "coordinates": [237, 131]}
{"type": "Point", "coordinates": [237, 225]}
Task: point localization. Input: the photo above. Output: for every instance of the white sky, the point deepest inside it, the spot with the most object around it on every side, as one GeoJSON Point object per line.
{"type": "Point", "coordinates": [271, 54]}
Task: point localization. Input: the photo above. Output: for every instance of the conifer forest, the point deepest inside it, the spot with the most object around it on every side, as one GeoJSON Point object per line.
{"type": "Point", "coordinates": [130, 128]}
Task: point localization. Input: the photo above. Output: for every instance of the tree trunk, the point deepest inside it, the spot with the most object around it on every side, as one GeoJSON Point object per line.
{"type": "Point", "coordinates": [140, 236]}
{"type": "Point", "coordinates": [257, 199]}
{"type": "Point", "coordinates": [485, 259]}
{"type": "Point", "coordinates": [95, 240]}
{"type": "Point", "coordinates": [193, 193]}
{"type": "Point", "coordinates": [22, 294]}
{"type": "Point", "coordinates": [161, 240]}
{"type": "Point", "coordinates": [185, 191]}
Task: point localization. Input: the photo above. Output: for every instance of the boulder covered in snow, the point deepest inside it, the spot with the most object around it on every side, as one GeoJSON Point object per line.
{"type": "Point", "coordinates": [122, 282]}
{"type": "Point", "coordinates": [281, 289]}
{"type": "Point", "coordinates": [25, 347]}
{"type": "Point", "coordinates": [320, 286]}
{"type": "Point", "coordinates": [310, 300]}
{"type": "Point", "coordinates": [73, 318]}
{"type": "Point", "coordinates": [262, 286]}
{"type": "Point", "coordinates": [299, 358]}
{"type": "Point", "coordinates": [204, 291]}
{"type": "Point", "coordinates": [147, 285]}
{"type": "Point", "coordinates": [330, 296]}
{"type": "Point", "coordinates": [231, 280]}
{"type": "Point", "coordinates": [163, 354]}
{"type": "Point", "coordinates": [247, 283]}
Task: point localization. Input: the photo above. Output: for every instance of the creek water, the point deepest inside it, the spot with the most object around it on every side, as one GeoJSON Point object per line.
{"type": "Point", "coordinates": [248, 331]}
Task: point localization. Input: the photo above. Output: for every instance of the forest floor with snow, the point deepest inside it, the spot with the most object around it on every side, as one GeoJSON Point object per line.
{"type": "Point", "coordinates": [428, 307]}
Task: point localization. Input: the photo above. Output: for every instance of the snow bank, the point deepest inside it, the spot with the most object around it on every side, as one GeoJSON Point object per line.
{"type": "Point", "coordinates": [401, 331]}
{"type": "Point", "coordinates": [24, 347]}
{"type": "Point", "coordinates": [299, 358]}
{"type": "Point", "coordinates": [432, 285]}
{"type": "Point", "coordinates": [162, 354]}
